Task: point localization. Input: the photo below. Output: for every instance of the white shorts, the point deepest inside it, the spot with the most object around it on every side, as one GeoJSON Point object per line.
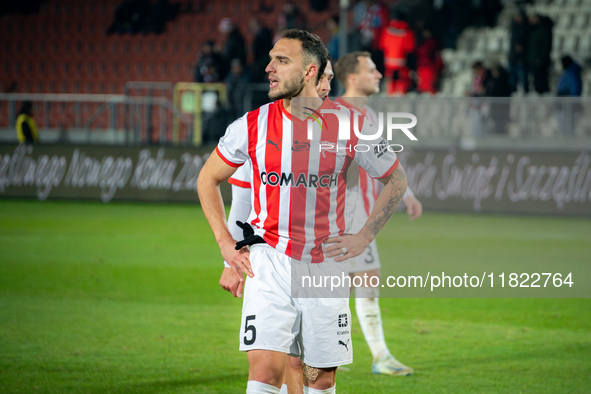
{"type": "Point", "coordinates": [317, 330]}
{"type": "Point", "coordinates": [368, 260]}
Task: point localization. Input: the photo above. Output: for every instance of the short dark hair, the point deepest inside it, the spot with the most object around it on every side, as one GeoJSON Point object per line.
{"type": "Point", "coordinates": [312, 47]}
{"type": "Point", "coordinates": [348, 64]}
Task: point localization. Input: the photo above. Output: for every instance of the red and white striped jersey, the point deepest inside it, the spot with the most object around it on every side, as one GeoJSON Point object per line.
{"type": "Point", "coordinates": [298, 184]}
{"type": "Point", "coordinates": [363, 196]}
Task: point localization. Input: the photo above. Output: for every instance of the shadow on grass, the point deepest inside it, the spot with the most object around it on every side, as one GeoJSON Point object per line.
{"type": "Point", "coordinates": [199, 385]}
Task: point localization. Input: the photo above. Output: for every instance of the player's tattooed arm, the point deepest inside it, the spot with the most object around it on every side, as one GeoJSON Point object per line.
{"type": "Point", "coordinates": [345, 247]}
{"type": "Point", "coordinates": [310, 373]}
{"type": "Point", "coordinates": [387, 202]}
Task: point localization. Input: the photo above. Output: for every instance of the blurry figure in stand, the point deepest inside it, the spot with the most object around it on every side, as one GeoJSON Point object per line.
{"type": "Point", "coordinates": [26, 128]}
{"type": "Point", "coordinates": [570, 84]}
{"type": "Point", "coordinates": [161, 13]}
{"type": "Point", "coordinates": [480, 76]}
{"type": "Point", "coordinates": [234, 47]}
{"type": "Point", "coordinates": [333, 43]}
{"type": "Point", "coordinates": [497, 85]}
{"type": "Point", "coordinates": [429, 63]}
{"type": "Point", "coordinates": [517, 52]}
{"type": "Point", "coordinates": [130, 17]}
{"type": "Point", "coordinates": [261, 46]}
{"type": "Point", "coordinates": [290, 18]}
{"type": "Point", "coordinates": [397, 42]}
{"type": "Point", "coordinates": [539, 47]}
{"type": "Point", "coordinates": [235, 84]}
{"type": "Point", "coordinates": [371, 28]}
{"type": "Point", "coordinates": [209, 63]}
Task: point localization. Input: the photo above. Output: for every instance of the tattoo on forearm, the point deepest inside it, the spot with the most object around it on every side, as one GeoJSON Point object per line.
{"type": "Point", "coordinates": [310, 373]}
{"type": "Point", "coordinates": [398, 180]}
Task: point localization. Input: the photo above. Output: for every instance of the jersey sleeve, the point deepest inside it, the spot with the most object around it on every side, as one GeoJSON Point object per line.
{"type": "Point", "coordinates": [242, 176]}
{"type": "Point", "coordinates": [376, 157]}
{"type": "Point", "coordinates": [233, 146]}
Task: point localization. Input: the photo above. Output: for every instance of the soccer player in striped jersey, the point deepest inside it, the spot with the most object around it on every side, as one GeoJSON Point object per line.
{"type": "Point", "coordinates": [298, 205]}
{"type": "Point", "coordinates": [358, 74]}
{"type": "Point", "coordinates": [239, 211]}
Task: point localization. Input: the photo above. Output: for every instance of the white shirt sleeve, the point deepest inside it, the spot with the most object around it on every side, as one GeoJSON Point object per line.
{"type": "Point", "coordinates": [233, 146]}
{"type": "Point", "coordinates": [375, 155]}
{"type": "Point", "coordinates": [239, 210]}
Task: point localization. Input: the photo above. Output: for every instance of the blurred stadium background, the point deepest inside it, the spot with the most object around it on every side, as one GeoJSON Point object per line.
{"type": "Point", "coordinates": [121, 72]}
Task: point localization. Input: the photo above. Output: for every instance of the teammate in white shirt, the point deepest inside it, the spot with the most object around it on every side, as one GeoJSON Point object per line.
{"type": "Point", "coordinates": [358, 74]}
{"type": "Point", "coordinates": [285, 181]}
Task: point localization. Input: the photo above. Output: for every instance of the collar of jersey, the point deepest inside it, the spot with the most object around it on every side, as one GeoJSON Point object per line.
{"type": "Point", "coordinates": [301, 123]}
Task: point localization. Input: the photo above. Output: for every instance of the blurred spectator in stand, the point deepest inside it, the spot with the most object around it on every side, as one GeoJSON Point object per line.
{"type": "Point", "coordinates": [479, 78]}
{"type": "Point", "coordinates": [261, 45]}
{"type": "Point", "coordinates": [371, 27]}
{"type": "Point", "coordinates": [234, 47]}
{"type": "Point", "coordinates": [26, 128]}
{"type": "Point", "coordinates": [235, 81]}
{"type": "Point", "coordinates": [538, 50]}
{"type": "Point", "coordinates": [429, 63]}
{"type": "Point", "coordinates": [294, 18]}
{"type": "Point", "coordinates": [497, 85]}
{"type": "Point", "coordinates": [570, 82]}
{"type": "Point", "coordinates": [484, 13]}
{"type": "Point", "coordinates": [207, 67]}
{"type": "Point", "coordinates": [517, 51]}
{"type": "Point", "coordinates": [130, 17]}
{"type": "Point", "coordinates": [333, 42]}
{"type": "Point", "coordinates": [290, 18]}
{"type": "Point", "coordinates": [161, 13]}
{"type": "Point", "coordinates": [398, 43]}
{"type": "Point", "coordinates": [214, 124]}
{"type": "Point", "coordinates": [453, 15]}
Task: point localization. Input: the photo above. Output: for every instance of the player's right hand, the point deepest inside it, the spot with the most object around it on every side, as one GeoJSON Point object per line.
{"type": "Point", "coordinates": [238, 260]}
{"type": "Point", "coordinates": [230, 282]}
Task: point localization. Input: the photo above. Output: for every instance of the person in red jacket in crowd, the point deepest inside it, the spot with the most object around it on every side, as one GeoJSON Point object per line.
{"type": "Point", "coordinates": [429, 63]}
{"type": "Point", "coordinates": [397, 42]}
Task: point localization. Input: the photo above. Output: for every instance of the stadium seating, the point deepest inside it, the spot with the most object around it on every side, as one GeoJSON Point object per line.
{"type": "Point", "coordinates": [571, 35]}
{"type": "Point", "coordinates": [64, 48]}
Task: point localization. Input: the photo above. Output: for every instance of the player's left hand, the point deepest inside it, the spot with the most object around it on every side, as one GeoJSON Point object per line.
{"type": "Point", "coordinates": [345, 246]}
{"type": "Point", "coordinates": [414, 208]}
{"type": "Point", "coordinates": [231, 282]}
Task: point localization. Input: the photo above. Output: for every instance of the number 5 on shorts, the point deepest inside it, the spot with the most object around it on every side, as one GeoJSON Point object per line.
{"type": "Point", "coordinates": [248, 328]}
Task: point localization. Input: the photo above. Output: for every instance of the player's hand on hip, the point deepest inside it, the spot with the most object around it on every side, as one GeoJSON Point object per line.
{"type": "Point", "coordinates": [345, 246]}
{"type": "Point", "coordinates": [238, 260]}
{"type": "Point", "coordinates": [414, 208]}
{"type": "Point", "coordinates": [232, 283]}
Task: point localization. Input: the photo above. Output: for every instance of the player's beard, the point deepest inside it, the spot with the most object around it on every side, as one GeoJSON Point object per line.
{"type": "Point", "coordinates": [292, 88]}
{"type": "Point", "coordinates": [370, 90]}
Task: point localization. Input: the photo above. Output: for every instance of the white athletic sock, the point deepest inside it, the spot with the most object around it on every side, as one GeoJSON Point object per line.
{"type": "Point", "coordinates": [370, 319]}
{"type": "Point", "coordinates": [254, 387]}
{"type": "Point", "coordinates": [283, 389]}
{"type": "Point", "coordinates": [309, 390]}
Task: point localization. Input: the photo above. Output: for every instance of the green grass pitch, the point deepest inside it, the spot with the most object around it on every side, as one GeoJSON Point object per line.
{"type": "Point", "coordinates": [124, 298]}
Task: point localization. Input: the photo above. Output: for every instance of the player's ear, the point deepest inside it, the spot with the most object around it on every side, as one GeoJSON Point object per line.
{"type": "Point", "coordinates": [311, 72]}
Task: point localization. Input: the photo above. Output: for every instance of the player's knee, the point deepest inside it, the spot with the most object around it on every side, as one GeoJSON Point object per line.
{"type": "Point", "coordinates": [266, 366]}
{"type": "Point", "coordinates": [294, 364]}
